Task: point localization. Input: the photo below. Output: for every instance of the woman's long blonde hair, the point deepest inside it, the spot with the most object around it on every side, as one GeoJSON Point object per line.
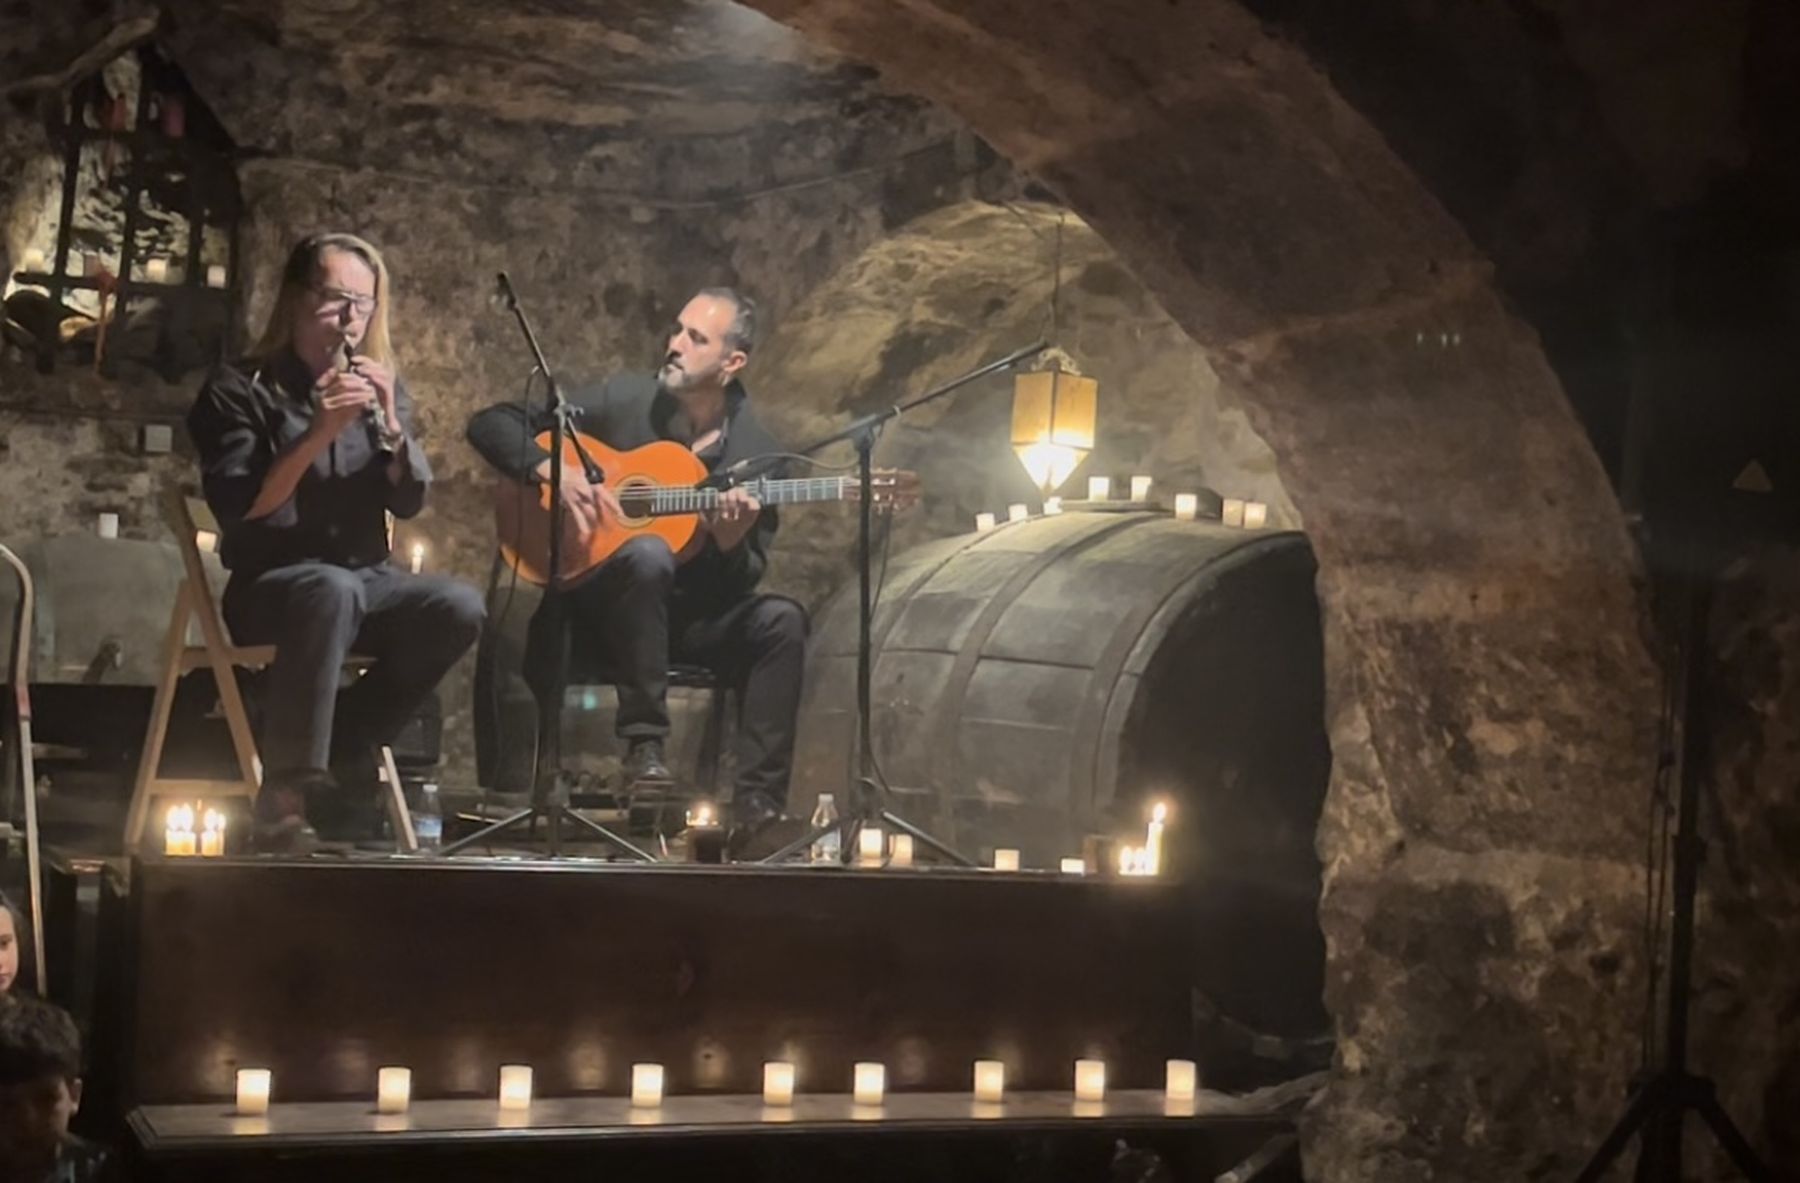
{"type": "Point", "coordinates": [297, 279]}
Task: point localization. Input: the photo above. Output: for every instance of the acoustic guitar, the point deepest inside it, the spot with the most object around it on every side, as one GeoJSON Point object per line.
{"type": "Point", "coordinates": [658, 487]}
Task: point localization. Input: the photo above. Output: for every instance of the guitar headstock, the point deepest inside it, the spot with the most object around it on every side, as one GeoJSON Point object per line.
{"type": "Point", "coordinates": [891, 488]}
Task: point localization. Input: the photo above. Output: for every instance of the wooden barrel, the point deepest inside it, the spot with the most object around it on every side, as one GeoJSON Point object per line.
{"type": "Point", "coordinates": [1048, 680]}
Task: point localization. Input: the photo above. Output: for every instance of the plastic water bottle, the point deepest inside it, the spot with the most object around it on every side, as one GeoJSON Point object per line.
{"type": "Point", "coordinates": [428, 819]}
{"type": "Point", "coordinates": [830, 845]}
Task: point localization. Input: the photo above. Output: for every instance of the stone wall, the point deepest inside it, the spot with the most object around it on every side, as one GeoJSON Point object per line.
{"type": "Point", "coordinates": [960, 287]}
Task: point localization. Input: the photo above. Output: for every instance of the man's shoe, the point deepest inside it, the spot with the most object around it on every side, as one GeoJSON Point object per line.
{"type": "Point", "coordinates": [644, 764]}
{"type": "Point", "coordinates": [279, 824]}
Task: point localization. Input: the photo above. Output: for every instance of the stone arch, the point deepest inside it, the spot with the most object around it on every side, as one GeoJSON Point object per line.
{"type": "Point", "coordinates": [1489, 697]}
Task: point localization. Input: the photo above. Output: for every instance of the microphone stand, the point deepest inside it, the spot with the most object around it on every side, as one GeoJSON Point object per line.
{"type": "Point", "coordinates": [867, 802]}
{"type": "Point", "coordinates": [550, 787]}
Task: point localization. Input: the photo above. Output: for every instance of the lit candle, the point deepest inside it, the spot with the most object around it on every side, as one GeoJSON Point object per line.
{"type": "Point", "coordinates": [1090, 1080]}
{"type": "Point", "coordinates": [1127, 859]}
{"type": "Point", "coordinates": [1231, 512]}
{"type": "Point", "coordinates": [253, 1091]}
{"type": "Point", "coordinates": [1052, 506]}
{"type": "Point", "coordinates": [418, 557]}
{"type": "Point", "coordinates": [206, 541]}
{"type": "Point", "coordinates": [515, 1086]}
{"type": "Point", "coordinates": [212, 835]}
{"type": "Point", "coordinates": [109, 525]}
{"type": "Point", "coordinates": [990, 1080]}
{"type": "Point", "coordinates": [984, 522]}
{"type": "Point", "coordinates": [1256, 515]}
{"type": "Point", "coordinates": [702, 815]}
{"type": "Point", "coordinates": [1074, 866]}
{"type": "Point", "coordinates": [1005, 859]}
{"type": "Point", "coordinates": [156, 270]}
{"type": "Point", "coordinates": [1140, 861]}
{"type": "Point", "coordinates": [870, 845]}
{"type": "Point", "coordinates": [393, 1090]}
{"type": "Point", "coordinates": [1099, 488]}
{"type": "Point", "coordinates": [215, 275]}
{"type": "Point", "coordinates": [178, 835]}
{"type": "Point", "coordinates": [1180, 1081]}
{"type": "Point", "coordinates": [871, 1082]}
{"type": "Point", "coordinates": [778, 1083]}
{"type": "Point", "coordinates": [1017, 512]}
{"type": "Point", "coordinates": [646, 1085]}
{"type": "Point", "coordinates": [1153, 839]}
{"type": "Point", "coordinates": [1140, 488]}
{"type": "Point", "coordinates": [1187, 505]}
{"type": "Point", "coordinates": [903, 851]}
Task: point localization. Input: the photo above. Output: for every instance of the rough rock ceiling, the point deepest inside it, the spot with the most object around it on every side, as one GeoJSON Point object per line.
{"type": "Point", "coordinates": [697, 96]}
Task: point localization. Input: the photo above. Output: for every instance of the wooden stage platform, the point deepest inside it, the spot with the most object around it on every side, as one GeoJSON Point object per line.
{"type": "Point", "coordinates": [324, 970]}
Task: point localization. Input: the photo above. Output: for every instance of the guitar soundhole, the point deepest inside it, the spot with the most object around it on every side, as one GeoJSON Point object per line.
{"type": "Point", "coordinates": [635, 493]}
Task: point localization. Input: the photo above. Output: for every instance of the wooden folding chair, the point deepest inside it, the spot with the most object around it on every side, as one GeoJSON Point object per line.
{"type": "Point", "coordinates": [194, 603]}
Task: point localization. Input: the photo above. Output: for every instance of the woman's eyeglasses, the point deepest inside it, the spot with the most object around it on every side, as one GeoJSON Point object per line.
{"type": "Point", "coordinates": [336, 300]}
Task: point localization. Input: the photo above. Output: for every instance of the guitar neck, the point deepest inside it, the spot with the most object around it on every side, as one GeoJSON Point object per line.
{"type": "Point", "coordinates": [661, 500]}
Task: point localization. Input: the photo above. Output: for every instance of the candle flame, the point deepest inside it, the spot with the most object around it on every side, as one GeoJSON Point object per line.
{"type": "Point", "coordinates": [1159, 813]}
{"type": "Point", "coordinates": [214, 821]}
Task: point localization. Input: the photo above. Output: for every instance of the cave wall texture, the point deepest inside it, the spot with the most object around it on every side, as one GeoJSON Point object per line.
{"type": "Point", "coordinates": [1300, 198]}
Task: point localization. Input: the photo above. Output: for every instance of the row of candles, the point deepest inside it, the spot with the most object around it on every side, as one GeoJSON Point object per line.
{"type": "Point", "coordinates": [1233, 511]}
{"type": "Point", "coordinates": [155, 270]}
{"type": "Point", "coordinates": [180, 839]}
{"type": "Point", "coordinates": [393, 1085]}
{"type": "Point", "coordinates": [875, 848]}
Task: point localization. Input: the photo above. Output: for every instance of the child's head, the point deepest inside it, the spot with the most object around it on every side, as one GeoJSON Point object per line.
{"type": "Point", "coordinates": [40, 1080]}
{"type": "Point", "coordinates": [12, 929]}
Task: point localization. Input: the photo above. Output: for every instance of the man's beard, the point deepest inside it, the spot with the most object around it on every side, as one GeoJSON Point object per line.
{"type": "Point", "coordinates": [672, 379]}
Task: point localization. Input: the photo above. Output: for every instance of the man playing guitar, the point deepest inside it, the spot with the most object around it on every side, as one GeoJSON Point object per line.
{"type": "Point", "coordinates": [645, 604]}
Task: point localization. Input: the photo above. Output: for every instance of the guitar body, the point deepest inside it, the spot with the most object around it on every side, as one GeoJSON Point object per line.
{"type": "Point", "coordinates": [522, 512]}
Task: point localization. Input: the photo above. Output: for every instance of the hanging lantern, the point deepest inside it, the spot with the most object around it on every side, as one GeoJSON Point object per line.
{"type": "Point", "coordinates": [1053, 424]}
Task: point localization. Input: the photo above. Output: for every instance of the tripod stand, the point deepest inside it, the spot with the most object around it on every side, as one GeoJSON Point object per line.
{"type": "Point", "coordinates": [867, 802]}
{"type": "Point", "coordinates": [549, 785]}
{"type": "Point", "coordinates": [1659, 1105]}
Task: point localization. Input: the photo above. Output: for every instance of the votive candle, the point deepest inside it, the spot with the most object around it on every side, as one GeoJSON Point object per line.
{"type": "Point", "coordinates": [1256, 515]}
{"type": "Point", "coordinates": [1074, 866]}
{"type": "Point", "coordinates": [215, 275]}
{"type": "Point", "coordinates": [393, 1090]}
{"type": "Point", "coordinates": [1099, 488]}
{"type": "Point", "coordinates": [253, 1091]}
{"type": "Point", "coordinates": [1231, 512]}
{"type": "Point", "coordinates": [1140, 488]}
{"type": "Point", "coordinates": [646, 1085]}
{"type": "Point", "coordinates": [984, 522]}
{"type": "Point", "coordinates": [1017, 512]}
{"type": "Point", "coordinates": [903, 851]}
{"type": "Point", "coordinates": [1180, 1081]}
{"type": "Point", "coordinates": [870, 845]}
{"type": "Point", "coordinates": [515, 1086]}
{"type": "Point", "coordinates": [778, 1083]}
{"type": "Point", "coordinates": [212, 835]}
{"type": "Point", "coordinates": [418, 557]}
{"type": "Point", "coordinates": [1006, 859]}
{"type": "Point", "coordinates": [870, 1082]}
{"type": "Point", "coordinates": [1090, 1080]}
{"type": "Point", "coordinates": [1052, 506]}
{"type": "Point", "coordinates": [1187, 506]}
{"type": "Point", "coordinates": [990, 1080]}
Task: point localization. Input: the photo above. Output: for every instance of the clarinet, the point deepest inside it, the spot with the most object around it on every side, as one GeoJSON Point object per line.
{"type": "Point", "coordinates": [378, 438]}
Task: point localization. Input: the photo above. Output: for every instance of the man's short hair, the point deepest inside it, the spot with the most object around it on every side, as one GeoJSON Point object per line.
{"type": "Point", "coordinates": [742, 333]}
{"type": "Point", "coordinates": [38, 1039]}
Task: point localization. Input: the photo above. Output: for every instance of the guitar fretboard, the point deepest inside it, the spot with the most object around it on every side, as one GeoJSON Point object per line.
{"type": "Point", "coordinates": [655, 500]}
